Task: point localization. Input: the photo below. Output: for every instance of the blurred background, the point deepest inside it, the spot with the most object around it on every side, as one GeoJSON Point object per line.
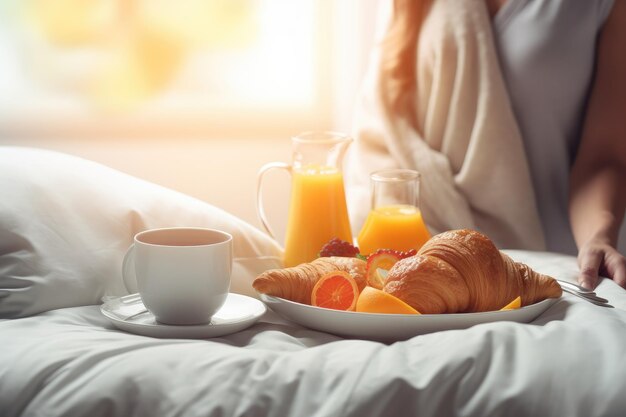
{"type": "Point", "coordinates": [195, 95]}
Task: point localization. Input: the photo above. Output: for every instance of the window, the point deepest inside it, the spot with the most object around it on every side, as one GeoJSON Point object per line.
{"type": "Point", "coordinates": [163, 67]}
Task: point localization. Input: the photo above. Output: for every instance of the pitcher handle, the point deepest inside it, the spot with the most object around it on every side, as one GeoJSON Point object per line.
{"type": "Point", "coordinates": [259, 195]}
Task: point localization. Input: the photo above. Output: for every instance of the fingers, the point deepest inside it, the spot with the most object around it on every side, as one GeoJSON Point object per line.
{"type": "Point", "coordinates": [590, 262]}
{"type": "Point", "coordinates": [615, 265]}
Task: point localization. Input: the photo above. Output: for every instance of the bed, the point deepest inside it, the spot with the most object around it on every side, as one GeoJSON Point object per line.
{"type": "Point", "coordinates": [62, 237]}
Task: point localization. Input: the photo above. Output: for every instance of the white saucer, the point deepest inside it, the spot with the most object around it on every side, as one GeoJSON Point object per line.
{"type": "Point", "coordinates": [129, 314]}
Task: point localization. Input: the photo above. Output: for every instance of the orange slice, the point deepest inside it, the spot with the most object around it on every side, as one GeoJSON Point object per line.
{"type": "Point", "coordinates": [517, 303]}
{"type": "Point", "coordinates": [336, 290]}
{"type": "Point", "coordinates": [373, 300]}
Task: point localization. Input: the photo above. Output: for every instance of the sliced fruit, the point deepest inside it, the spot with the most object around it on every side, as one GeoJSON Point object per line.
{"type": "Point", "coordinates": [373, 300]}
{"type": "Point", "coordinates": [336, 290]}
{"type": "Point", "coordinates": [517, 303]}
{"type": "Point", "coordinates": [378, 264]}
{"type": "Point", "coordinates": [406, 254]}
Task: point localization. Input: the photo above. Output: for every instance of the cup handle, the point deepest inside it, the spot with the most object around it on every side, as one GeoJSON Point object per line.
{"type": "Point", "coordinates": [129, 279]}
{"type": "Point", "coordinates": [259, 195]}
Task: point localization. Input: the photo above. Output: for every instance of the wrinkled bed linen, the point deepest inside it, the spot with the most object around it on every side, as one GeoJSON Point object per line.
{"type": "Point", "coordinates": [569, 362]}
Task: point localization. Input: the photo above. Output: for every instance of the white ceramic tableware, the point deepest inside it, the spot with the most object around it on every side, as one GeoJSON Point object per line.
{"type": "Point", "coordinates": [129, 314]}
{"type": "Point", "coordinates": [391, 327]}
{"type": "Point", "coordinates": [182, 273]}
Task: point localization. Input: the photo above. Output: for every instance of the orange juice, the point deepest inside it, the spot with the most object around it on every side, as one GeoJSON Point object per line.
{"type": "Point", "coordinates": [398, 227]}
{"type": "Point", "coordinates": [317, 213]}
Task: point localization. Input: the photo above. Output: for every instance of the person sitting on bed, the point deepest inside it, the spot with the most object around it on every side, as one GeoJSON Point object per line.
{"type": "Point", "coordinates": [514, 111]}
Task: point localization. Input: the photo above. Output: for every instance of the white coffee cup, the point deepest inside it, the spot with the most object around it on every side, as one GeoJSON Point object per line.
{"type": "Point", "coordinates": [182, 273]}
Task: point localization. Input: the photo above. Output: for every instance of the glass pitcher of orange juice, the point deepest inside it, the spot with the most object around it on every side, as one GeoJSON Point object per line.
{"type": "Point", "coordinates": [395, 220]}
{"type": "Point", "coordinates": [317, 210]}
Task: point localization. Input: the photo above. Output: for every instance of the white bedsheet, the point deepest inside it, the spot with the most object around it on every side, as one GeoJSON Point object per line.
{"type": "Point", "coordinates": [570, 362]}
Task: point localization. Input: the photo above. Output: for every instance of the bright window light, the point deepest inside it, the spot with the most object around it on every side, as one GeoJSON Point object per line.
{"type": "Point", "coordinates": [94, 60]}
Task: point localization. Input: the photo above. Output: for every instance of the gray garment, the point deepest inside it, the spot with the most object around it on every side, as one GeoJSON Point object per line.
{"type": "Point", "coordinates": [547, 54]}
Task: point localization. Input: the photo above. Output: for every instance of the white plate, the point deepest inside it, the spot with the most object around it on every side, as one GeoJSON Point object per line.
{"type": "Point", "coordinates": [393, 326]}
{"type": "Point", "coordinates": [129, 314]}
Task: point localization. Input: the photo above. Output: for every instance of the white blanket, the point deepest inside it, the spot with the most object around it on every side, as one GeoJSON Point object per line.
{"type": "Point", "coordinates": [569, 362]}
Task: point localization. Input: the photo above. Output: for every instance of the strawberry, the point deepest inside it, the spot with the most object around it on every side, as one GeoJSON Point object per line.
{"type": "Point", "coordinates": [381, 261]}
{"type": "Point", "coordinates": [377, 264]}
{"type": "Point", "coordinates": [407, 254]}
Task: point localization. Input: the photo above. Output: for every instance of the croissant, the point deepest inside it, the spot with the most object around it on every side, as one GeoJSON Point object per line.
{"type": "Point", "coordinates": [462, 271]}
{"type": "Point", "coordinates": [296, 283]}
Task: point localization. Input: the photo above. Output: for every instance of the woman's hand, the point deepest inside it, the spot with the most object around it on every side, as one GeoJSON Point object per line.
{"type": "Point", "coordinates": [598, 257]}
{"type": "Point", "coordinates": [597, 186]}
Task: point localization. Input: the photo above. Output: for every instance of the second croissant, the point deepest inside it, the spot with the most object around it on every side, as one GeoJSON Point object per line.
{"type": "Point", "coordinates": [462, 271]}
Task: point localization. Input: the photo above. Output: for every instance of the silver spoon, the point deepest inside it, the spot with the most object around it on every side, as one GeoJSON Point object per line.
{"type": "Point", "coordinates": [593, 299]}
{"type": "Point", "coordinates": [575, 287]}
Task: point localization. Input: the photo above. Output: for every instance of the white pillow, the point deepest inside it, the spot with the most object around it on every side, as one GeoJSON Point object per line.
{"type": "Point", "coordinates": [65, 224]}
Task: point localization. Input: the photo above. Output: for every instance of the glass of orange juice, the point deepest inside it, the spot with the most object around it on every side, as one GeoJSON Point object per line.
{"type": "Point", "coordinates": [395, 220]}
{"type": "Point", "coordinates": [317, 210]}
